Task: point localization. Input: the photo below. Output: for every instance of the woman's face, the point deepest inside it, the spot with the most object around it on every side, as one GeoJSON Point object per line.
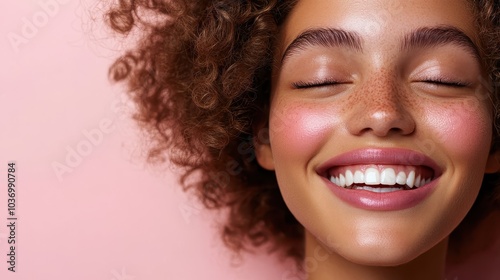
{"type": "Point", "coordinates": [380, 125]}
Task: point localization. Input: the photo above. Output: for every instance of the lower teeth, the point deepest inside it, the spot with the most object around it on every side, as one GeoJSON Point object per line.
{"type": "Point", "coordinates": [378, 190]}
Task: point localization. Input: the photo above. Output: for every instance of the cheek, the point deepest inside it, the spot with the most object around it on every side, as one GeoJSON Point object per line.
{"type": "Point", "coordinates": [465, 129]}
{"type": "Point", "coordinates": [298, 130]}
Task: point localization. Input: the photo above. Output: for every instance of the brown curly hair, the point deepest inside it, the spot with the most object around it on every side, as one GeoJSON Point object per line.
{"type": "Point", "coordinates": [200, 73]}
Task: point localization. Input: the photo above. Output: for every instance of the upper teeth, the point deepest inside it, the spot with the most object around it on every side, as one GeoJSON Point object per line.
{"type": "Point", "coordinates": [375, 176]}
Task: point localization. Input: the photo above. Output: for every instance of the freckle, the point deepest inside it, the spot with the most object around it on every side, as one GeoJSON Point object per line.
{"type": "Point", "coordinates": [376, 92]}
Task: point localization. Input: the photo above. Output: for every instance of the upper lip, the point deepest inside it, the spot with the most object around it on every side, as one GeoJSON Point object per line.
{"type": "Point", "coordinates": [389, 156]}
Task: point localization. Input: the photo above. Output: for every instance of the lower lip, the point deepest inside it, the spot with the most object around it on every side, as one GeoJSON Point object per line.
{"type": "Point", "coordinates": [390, 201]}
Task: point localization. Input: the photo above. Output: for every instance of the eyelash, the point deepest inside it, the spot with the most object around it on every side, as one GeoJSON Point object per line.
{"type": "Point", "coordinates": [446, 83]}
{"type": "Point", "coordinates": [304, 85]}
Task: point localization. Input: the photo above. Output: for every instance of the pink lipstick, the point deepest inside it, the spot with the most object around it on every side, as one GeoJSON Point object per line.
{"type": "Point", "coordinates": [381, 179]}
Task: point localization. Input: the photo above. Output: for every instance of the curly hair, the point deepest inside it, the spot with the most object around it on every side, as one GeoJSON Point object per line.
{"type": "Point", "coordinates": [200, 73]}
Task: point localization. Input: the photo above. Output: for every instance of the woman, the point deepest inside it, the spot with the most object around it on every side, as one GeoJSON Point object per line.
{"type": "Point", "coordinates": [354, 136]}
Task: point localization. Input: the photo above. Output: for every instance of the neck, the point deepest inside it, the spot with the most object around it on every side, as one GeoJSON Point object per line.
{"type": "Point", "coordinates": [320, 265]}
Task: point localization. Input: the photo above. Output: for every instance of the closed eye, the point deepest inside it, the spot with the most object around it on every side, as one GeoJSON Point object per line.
{"type": "Point", "coordinates": [446, 83]}
{"type": "Point", "coordinates": [315, 84]}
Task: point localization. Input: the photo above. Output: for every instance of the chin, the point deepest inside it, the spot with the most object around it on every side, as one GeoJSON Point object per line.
{"type": "Point", "coordinates": [385, 255]}
{"type": "Point", "coordinates": [383, 259]}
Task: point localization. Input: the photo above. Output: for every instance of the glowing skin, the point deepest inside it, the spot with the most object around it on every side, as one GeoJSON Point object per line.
{"type": "Point", "coordinates": [385, 96]}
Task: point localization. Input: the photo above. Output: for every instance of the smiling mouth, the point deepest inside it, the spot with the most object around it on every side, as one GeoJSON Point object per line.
{"type": "Point", "coordinates": [381, 178]}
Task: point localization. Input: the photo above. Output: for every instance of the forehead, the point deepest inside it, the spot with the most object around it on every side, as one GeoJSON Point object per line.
{"type": "Point", "coordinates": [377, 21]}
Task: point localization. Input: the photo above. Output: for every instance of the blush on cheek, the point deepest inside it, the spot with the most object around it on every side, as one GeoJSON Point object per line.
{"type": "Point", "coordinates": [300, 129]}
{"type": "Point", "coordinates": [467, 131]}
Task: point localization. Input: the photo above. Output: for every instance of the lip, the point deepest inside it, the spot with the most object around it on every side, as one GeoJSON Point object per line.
{"type": "Point", "coordinates": [390, 201]}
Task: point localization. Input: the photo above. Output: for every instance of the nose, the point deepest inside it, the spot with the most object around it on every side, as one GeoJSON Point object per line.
{"type": "Point", "coordinates": [380, 108]}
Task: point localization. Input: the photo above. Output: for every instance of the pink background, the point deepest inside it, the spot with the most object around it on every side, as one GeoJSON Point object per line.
{"type": "Point", "coordinates": [87, 205]}
{"type": "Point", "coordinates": [106, 216]}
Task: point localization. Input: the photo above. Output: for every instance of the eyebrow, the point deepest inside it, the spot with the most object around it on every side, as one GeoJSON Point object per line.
{"type": "Point", "coordinates": [424, 37]}
{"type": "Point", "coordinates": [326, 37]}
